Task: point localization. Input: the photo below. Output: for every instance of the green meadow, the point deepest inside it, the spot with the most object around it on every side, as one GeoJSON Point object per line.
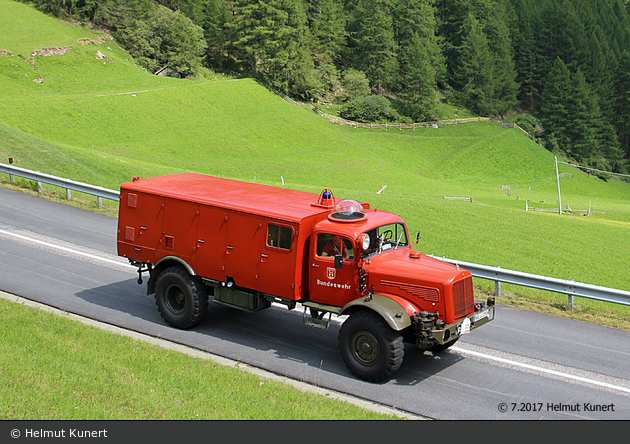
{"type": "Point", "coordinates": [103, 121]}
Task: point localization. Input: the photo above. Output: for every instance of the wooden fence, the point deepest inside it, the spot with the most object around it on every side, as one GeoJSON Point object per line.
{"type": "Point", "coordinates": [385, 126]}
{"type": "Point", "coordinates": [399, 126]}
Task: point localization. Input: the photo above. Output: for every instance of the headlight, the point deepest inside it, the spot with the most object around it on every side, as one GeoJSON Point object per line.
{"type": "Point", "coordinates": [365, 241]}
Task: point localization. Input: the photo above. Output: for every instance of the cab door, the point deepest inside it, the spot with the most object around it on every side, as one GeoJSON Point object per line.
{"type": "Point", "coordinates": [328, 283]}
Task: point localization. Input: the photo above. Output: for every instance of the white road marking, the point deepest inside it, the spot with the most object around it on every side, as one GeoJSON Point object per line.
{"type": "Point", "coordinates": [66, 249]}
{"type": "Point", "coordinates": [538, 368]}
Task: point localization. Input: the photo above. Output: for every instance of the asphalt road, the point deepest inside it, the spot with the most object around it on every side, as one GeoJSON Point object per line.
{"type": "Point", "coordinates": [521, 366]}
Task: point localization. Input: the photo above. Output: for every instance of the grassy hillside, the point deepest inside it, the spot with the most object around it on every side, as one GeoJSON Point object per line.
{"type": "Point", "coordinates": [103, 121]}
{"type": "Point", "coordinates": [23, 29]}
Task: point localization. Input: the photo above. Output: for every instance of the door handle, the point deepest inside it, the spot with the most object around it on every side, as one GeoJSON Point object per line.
{"type": "Point", "coordinates": [315, 265]}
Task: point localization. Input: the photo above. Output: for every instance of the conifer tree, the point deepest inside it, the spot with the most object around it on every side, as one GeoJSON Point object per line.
{"type": "Point", "coordinates": [373, 38]}
{"type": "Point", "coordinates": [218, 31]}
{"type": "Point", "coordinates": [554, 112]}
{"type": "Point", "coordinates": [475, 69]}
{"type": "Point", "coordinates": [504, 74]}
{"type": "Point", "coordinates": [326, 23]}
{"type": "Point", "coordinates": [622, 104]}
{"type": "Point", "coordinates": [524, 31]}
{"type": "Point", "coordinates": [481, 64]}
{"type": "Point", "coordinates": [417, 78]}
{"type": "Point", "coordinates": [273, 42]}
{"type": "Point", "coordinates": [419, 59]}
{"type": "Point", "coordinates": [583, 120]}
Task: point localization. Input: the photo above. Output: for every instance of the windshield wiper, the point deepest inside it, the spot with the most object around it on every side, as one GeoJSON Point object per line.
{"type": "Point", "coordinates": [398, 241]}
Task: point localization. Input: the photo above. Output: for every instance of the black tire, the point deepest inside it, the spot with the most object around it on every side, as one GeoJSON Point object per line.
{"type": "Point", "coordinates": [371, 349]}
{"type": "Point", "coordinates": [438, 348]}
{"type": "Point", "coordinates": [181, 298]}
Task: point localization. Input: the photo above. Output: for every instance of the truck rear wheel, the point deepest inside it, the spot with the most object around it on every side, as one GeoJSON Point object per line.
{"type": "Point", "coordinates": [371, 349]}
{"type": "Point", "coordinates": [181, 298]}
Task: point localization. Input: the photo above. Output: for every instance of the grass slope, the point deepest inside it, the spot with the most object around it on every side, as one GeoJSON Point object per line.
{"type": "Point", "coordinates": [23, 29]}
{"type": "Point", "coordinates": [104, 121]}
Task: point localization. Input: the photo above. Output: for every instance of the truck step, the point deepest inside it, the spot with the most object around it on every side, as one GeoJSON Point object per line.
{"type": "Point", "coordinates": [310, 321]}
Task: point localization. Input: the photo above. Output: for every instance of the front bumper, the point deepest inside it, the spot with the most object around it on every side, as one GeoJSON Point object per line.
{"type": "Point", "coordinates": [463, 326]}
{"type": "Point", "coordinates": [443, 334]}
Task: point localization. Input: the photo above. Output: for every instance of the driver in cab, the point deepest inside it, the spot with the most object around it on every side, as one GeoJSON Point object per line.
{"type": "Point", "coordinates": [336, 245]}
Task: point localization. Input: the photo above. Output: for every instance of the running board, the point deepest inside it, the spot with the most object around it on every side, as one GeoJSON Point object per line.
{"type": "Point", "coordinates": [310, 321]}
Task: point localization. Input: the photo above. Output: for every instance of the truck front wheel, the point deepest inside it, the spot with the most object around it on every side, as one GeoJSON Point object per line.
{"type": "Point", "coordinates": [181, 299]}
{"type": "Point", "coordinates": [371, 349]}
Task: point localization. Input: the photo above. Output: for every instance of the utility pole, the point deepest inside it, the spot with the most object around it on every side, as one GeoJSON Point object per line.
{"type": "Point", "coordinates": [558, 180]}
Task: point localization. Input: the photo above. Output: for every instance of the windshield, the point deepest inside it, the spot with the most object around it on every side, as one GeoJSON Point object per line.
{"type": "Point", "coordinates": [386, 237]}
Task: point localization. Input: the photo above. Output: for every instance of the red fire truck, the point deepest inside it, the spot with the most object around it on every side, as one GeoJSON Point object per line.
{"type": "Point", "coordinates": [249, 245]}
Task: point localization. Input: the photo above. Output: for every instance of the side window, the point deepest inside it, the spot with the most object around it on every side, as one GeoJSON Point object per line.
{"type": "Point", "coordinates": [279, 237]}
{"type": "Point", "coordinates": [329, 245]}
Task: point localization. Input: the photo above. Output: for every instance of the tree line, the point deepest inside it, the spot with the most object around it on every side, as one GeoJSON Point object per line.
{"type": "Point", "coordinates": [561, 66]}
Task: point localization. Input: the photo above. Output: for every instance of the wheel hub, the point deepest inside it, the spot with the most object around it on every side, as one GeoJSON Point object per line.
{"type": "Point", "coordinates": [175, 299]}
{"type": "Point", "coordinates": [365, 348]}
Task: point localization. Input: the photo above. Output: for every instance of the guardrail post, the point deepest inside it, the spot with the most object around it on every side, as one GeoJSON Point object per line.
{"type": "Point", "coordinates": [68, 194]}
{"type": "Point", "coordinates": [99, 201]}
{"type": "Point", "coordinates": [570, 303]}
{"type": "Point", "coordinates": [497, 287]}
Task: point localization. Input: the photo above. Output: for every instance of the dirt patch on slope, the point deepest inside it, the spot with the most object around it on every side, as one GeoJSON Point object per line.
{"type": "Point", "coordinates": [61, 50]}
{"type": "Point", "coordinates": [55, 50]}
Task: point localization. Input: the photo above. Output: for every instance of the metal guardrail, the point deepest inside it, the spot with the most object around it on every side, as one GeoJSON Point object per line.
{"type": "Point", "coordinates": [496, 274]}
{"type": "Point", "coordinates": [68, 184]}
{"type": "Point", "coordinates": [568, 287]}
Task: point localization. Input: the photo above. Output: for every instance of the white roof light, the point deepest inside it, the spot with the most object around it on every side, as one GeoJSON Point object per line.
{"type": "Point", "coordinates": [347, 210]}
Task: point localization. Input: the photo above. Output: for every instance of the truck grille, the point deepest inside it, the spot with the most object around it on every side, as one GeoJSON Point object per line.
{"type": "Point", "coordinates": [428, 294]}
{"type": "Point", "coordinates": [463, 297]}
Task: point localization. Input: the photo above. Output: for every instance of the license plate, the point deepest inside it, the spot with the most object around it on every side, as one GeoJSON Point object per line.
{"type": "Point", "coordinates": [482, 314]}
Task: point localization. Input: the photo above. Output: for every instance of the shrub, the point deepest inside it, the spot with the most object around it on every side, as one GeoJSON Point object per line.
{"type": "Point", "coordinates": [371, 109]}
{"type": "Point", "coordinates": [166, 38]}
{"type": "Point", "coordinates": [355, 85]}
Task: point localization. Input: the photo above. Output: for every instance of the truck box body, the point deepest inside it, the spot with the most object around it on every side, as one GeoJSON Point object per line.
{"type": "Point", "coordinates": [221, 228]}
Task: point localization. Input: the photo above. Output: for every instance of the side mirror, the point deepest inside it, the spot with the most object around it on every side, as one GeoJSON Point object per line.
{"type": "Point", "coordinates": [417, 239]}
{"type": "Point", "coordinates": [338, 261]}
